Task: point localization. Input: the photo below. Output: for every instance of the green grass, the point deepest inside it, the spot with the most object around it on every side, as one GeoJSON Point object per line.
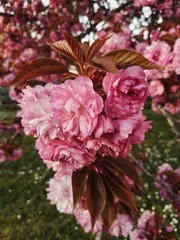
{"type": "Point", "coordinates": [25, 212]}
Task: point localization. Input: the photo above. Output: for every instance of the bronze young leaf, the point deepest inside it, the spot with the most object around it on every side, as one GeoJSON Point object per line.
{"type": "Point", "coordinates": [39, 67]}
{"type": "Point", "coordinates": [96, 195]}
{"type": "Point", "coordinates": [125, 58]}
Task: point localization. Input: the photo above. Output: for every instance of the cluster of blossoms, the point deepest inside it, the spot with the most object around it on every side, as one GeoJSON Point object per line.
{"type": "Point", "coordinates": [164, 86]}
{"type": "Point", "coordinates": [76, 127]}
{"type": "Point", "coordinates": [167, 182]}
{"type": "Point", "coordinates": [73, 124]}
{"type": "Point", "coordinates": [149, 227]}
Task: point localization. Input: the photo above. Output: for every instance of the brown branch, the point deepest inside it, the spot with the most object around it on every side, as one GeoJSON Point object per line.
{"type": "Point", "coordinates": [172, 194]}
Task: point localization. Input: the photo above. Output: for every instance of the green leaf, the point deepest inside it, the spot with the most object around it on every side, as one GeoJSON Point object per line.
{"type": "Point", "coordinates": [96, 196]}
{"type": "Point", "coordinates": [125, 58]}
{"type": "Point", "coordinates": [78, 184]}
{"type": "Point", "coordinates": [39, 67]}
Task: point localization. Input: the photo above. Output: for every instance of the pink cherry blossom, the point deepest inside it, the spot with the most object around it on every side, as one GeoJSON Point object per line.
{"type": "Point", "coordinates": [176, 47]}
{"type": "Point", "coordinates": [76, 107]}
{"type": "Point", "coordinates": [118, 40]}
{"type": "Point", "coordinates": [138, 234]}
{"type": "Point", "coordinates": [156, 88]}
{"type": "Point", "coordinates": [146, 218]}
{"type": "Point", "coordinates": [3, 157]}
{"type": "Point", "coordinates": [126, 92]}
{"type": "Point", "coordinates": [121, 226]}
{"type": "Point", "coordinates": [83, 218]}
{"type": "Point", "coordinates": [158, 52]}
{"type": "Point", "coordinates": [60, 194]}
{"type": "Point", "coordinates": [64, 156]}
{"type": "Point", "coordinates": [36, 111]}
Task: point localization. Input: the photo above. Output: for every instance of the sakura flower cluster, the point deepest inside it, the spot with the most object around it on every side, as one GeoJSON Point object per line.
{"type": "Point", "coordinates": [75, 126]}
{"type": "Point", "coordinates": [150, 226]}
{"type": "Point", "coordinates": [167, 182]}
{"type": "Point", "coordinates": [164, 86]}
{"type": "Point", "coordinates": [72, 123]}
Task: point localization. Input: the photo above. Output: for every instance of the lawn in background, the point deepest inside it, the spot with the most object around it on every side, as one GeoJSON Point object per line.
{"type": "Point", "coordinates": [25, 212]}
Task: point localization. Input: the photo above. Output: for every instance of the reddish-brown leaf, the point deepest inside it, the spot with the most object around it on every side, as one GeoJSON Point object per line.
{"type": "Point", "coordinates": [96, 195]}
{"type": "Point", "coordinates": [105, 63]}
{"type": "Point", "coordinates": [108, 213]}
{"type": "Point", "coordinates": [170, 39]}
{"type": "Point", "coordinates": [63, 48]}
{"type": "Point", "coordinates": [126, 58]}
{"type": "Point", "coordinates": [176, 186]}
{"type": "Point", "coordinates": [39, 67]}
{"type": "Point", "coordinates": [75, 47]}
{"type": "Point", "coordinates": [85, 48]}
{"type": "Point", "coordinates": [120, 187]}
{"type": "Point", "coordinates": [127, 167]}
{"type": "Point", "coordinates": [78, 183]}
{"type": "Point", "coordinates": [95, 47]}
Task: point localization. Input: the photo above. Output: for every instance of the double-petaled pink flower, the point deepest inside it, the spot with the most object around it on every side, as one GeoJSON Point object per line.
{"type": "Point", "coordinates": [126, 92]}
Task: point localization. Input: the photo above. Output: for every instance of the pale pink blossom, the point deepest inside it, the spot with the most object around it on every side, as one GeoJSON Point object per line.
{"type": "Point", "coordinates": [60, 194]}
{"type": "Point", "coordinates": [121, 226]}
{"type": "Point", "coordinates": [156, 88]}
{"type": "Point", "coordinates": [3, 157]}
{"type": "Point", "coordinates": [28, 54]}
{"type": "Point", "coordinates": [176, 47]}
{"type": "Point", "coordinates": [176, 64]}
{"type": "Point", "coordinates": [164, 167]}
{"type": "Point", "coordinates": [146, 220]}
{"type": "Point", "coordinates": [36, 111]}
{"type": "Point", "coordinates": [138, 234]}
{"type": "Point", "coordinates": [13, 94]}
{"type": "Point", "coordinates": [83, 218]}
{"type": "Point", "coordinates": [158, 52]}
{"type": "Point", "coordinates": [141, 47]}
{"type": "Point", "coordinates": [118, 40]}
{"type": "Point", "coordinates": [76, 107]}
{"type": "Point", "coordinates": [126, 92]}
{"type": "Point", "coordinates": [6, 79]}
{"type": "Point", "coordinates": [173, 108]}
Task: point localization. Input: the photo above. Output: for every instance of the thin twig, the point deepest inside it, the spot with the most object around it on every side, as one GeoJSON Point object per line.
{"type": "Point", "coordinates": [172, 194]}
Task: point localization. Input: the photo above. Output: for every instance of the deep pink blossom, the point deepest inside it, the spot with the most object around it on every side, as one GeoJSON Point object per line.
{"type": "Point", "coordinates": [64, 156]}
{"type": "Point", "coordinates": [126, 92]}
